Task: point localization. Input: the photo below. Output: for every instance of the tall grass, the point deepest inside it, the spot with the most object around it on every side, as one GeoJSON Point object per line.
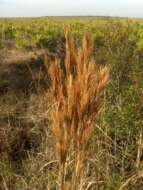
{"type": "Point", "coordinates": [77, 86]}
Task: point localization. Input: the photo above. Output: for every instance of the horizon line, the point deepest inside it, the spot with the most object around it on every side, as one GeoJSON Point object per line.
{"type": "Point", "coordinates": [108, 16]}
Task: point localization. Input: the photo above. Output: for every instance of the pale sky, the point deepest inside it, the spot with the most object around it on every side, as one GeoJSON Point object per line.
{"type": "Point", "coordinates": [124, 8]}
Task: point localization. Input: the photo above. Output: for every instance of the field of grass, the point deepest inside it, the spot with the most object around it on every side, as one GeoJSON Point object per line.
{"type": "Point", "coordinates": [41, 97]}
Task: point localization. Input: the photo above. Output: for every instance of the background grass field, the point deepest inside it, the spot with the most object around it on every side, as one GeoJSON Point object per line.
{"type": "Point", "coordinates": [27, 152]}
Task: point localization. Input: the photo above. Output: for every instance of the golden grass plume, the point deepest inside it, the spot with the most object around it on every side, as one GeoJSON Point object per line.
{"type": "Point", "coordinates": [76, 89]}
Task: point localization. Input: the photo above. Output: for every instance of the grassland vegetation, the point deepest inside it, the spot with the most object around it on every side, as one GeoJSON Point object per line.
{"type": "Point", "coordinates": [29, 96]}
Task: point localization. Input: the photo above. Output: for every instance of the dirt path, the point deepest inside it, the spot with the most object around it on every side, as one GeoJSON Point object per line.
{"type": "Point", "coordinates": [19, 68]}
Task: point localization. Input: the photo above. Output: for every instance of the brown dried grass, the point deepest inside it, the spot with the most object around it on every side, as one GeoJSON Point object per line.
{"type": "Point", "coordinates": [76, 90]}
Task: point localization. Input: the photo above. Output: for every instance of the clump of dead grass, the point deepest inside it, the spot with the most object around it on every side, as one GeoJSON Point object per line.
{"type": "Point", "coordinates": [77, 86]}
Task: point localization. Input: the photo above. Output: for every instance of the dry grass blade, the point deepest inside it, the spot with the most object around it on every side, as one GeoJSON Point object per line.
{"type": "Point", "coordinates": [133, 179]}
